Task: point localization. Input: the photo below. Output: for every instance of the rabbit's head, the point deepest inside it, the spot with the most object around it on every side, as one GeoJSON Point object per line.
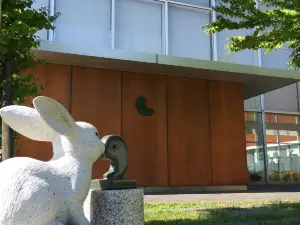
{"type": "Point", "coordinates": [78, 139]}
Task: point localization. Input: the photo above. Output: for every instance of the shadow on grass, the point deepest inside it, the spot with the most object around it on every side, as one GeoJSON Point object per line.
{"type": "Point", "coordinates": [173, 222]}
{"type": "Point", "coordinates": [283, 213]}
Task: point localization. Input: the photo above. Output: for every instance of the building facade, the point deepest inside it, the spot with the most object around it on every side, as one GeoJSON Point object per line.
{"type": "Point", "coordinates": [272, 134]}
{"type": "Point", "coordinates": [105, 53]}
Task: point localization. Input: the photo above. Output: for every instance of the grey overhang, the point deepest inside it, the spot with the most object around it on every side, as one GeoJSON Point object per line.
{"type": "Point", "coordinates": [256, 80]}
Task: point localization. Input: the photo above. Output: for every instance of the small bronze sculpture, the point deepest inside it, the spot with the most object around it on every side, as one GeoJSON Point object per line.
{"type": "Point", "coordinates": [117, 155]}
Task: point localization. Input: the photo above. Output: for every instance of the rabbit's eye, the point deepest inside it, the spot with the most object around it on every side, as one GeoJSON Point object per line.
{"type": "Point", "coordinates": [96, 134]}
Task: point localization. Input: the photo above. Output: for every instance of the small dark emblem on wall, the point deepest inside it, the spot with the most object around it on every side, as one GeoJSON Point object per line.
{"type": "Point", "coordinates": [142, 108]}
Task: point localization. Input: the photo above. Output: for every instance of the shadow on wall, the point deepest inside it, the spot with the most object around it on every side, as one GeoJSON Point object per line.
{"type": "Point", "coordinates": [276, 213]}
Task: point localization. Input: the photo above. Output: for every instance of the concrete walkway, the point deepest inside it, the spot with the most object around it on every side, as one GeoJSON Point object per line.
{"type": "Point", "coordinates": [222, 197]}
{"type": "Point", "coordinates": [254, 193]}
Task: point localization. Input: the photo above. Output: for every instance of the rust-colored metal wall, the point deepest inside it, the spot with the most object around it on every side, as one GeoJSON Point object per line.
{"type": "Point", "coordinates": [227, 130]}
{"type": "Point", "coordinates": [188, 132]}
{"type": "Point", "coordinates": [58, 80]}
{"type": "Point", "coordinates": [145, 136]}
{"type": "Point", "coordinates": [195, 136]}
{"type": "Point", "coordinates": [96, 99]}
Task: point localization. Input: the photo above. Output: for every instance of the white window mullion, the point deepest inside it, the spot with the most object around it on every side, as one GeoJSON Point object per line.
{"type": "Point", "coordinates": [259, 52]}
{"type": "Point", "coordinates": [166, 18]}
{"type": "Point", "coordinates": [113, 22]}
{"type": "Point", "coordinates": [214, 36]}
{"type": "Point", "coordinates": [51, 13]}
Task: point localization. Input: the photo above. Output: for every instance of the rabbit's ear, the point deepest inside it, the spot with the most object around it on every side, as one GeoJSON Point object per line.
{"type": "Point", "coordinates": [27, 122]}
{"type": "Point", "coordinates": [55, 115]}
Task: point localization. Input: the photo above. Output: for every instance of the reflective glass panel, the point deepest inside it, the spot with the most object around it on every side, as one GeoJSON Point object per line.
{"type": "Point", "coordinates": [139, 26]}
{"type": "Point", "coordinates": [186, 35]}
{"type": "Point", "coordinates": [84, 23]}
{"type": "Point", "coordinates": [254, 147]}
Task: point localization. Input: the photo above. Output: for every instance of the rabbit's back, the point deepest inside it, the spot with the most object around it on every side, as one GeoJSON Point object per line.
{"type": "Point", "coordinates": [30, 193]}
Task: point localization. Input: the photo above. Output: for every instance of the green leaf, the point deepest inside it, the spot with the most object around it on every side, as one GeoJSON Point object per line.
{"type": "Point", "coordinates": [273, 24]}
{"type": "Point", "coordinates": [3, 50]}
{"type": "Point", "coordinates": [18, 36]}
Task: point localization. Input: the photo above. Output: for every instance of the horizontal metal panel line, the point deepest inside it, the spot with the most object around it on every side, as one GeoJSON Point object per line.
{"type": "Point", "coordinates": [191, 6]}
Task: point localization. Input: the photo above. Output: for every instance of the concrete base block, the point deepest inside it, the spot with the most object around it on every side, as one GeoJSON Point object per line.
{"type": "Point", "coordinates": [115, 207]}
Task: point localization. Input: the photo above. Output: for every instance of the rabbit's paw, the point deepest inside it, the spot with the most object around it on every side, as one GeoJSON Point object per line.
{"type": "Point", "coordinates": [56, 222]}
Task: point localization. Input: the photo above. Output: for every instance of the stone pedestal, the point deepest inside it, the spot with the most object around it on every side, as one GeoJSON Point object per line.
{"type": "Point", "coordinates": [115, 207]}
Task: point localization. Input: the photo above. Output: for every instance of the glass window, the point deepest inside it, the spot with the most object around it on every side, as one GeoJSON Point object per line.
{"type": "Point", "coordinates": [254, 147]}
{"type": "Point", "coordinates": [43, 34]}
{"type": "Point", "coordinates": [285, 159]}
{"type": "Point", "coordinates": [186, 36]}
{"type": "Point", "coordinates": [273, 162]}
{"type": "Point", "coordinates": [270, 118]}
{"type": "Point", "coordinates": [283, 148]}
{"type": "Point", "coordinates": [277, 58]}
{"type": "Point", "coordinates": [284, 164]}
{"type": "Point", "coordinates": [246, 57]}
{"type": "Point", "coordinates": [84, 23]}
{"type": "Point", "coordinates": [298, 93]}
{"type": "Point", "coordinates": [255, 162]}
{"type": "Point", "coordinates": [289, 119]}
{"type": "Point", "coordinates": [272, 136]}
{"type": "Point", "coordinates": [139, 26]}
{"type": "Point", "coordinates": [283, 99]}
{"type": "Point", "coordinates": [251, 116]}
{"type": "Point", "coordinates": [252, 103]}
{"type": "Point", "coordinates": [288, 136]}
{"type": "Point", "coordinates": [205, 3]}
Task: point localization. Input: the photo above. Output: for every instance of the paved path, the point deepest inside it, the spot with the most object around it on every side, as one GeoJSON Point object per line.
{"type": "Point", "coordinates": [222, 197]}
{"type": "Point", "coordinates": [255, 193]}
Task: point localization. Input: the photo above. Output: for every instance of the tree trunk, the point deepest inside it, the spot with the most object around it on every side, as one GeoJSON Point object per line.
{"type": "Point", "coordinates": [7, 132]}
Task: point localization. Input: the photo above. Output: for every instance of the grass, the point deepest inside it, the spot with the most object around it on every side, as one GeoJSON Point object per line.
{"type": "Point", "coordinates": [233, 213]}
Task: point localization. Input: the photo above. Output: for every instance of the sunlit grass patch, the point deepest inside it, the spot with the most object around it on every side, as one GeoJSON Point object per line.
{"type": "Point", "coordinates": [245, 213]}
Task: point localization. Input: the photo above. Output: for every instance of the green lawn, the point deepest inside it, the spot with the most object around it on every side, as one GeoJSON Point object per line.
{"type": "Point", "coordinates": [242, 213]}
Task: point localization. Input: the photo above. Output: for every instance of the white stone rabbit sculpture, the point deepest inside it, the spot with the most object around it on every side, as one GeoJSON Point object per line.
{"type": "Point", "coordinates": [27, 122]}
{"type": "Point", "coordinates": [33, 192]}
